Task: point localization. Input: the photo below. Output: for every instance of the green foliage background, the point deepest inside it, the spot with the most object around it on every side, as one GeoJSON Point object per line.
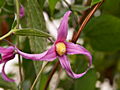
{"type": "Point", "coordinates": [101, 37]}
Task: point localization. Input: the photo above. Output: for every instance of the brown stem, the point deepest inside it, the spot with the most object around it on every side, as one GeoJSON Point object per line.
{"type": "Point", "coordinates": [51, 75]}
{"type": "Point", "coordinates": [20, 70]}
{"type": "Point", "coordinates": [81, 18]}
{"type": "Point", "coordinates": [86, 21]}
{"type": "Point", "coordinates": [85, 13]}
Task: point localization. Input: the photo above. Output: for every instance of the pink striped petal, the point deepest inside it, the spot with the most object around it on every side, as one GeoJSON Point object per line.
{"type": "Point", "coordinates": [48, 55]}
{"type": "Point", "coordinates": [6, 50]}
{"type": "Point", "coordinates": [63, 28]}
{"type": "Point", "coordinates": [6, 54]}
{"type": "Point", "coordinates": [4, 76]}
{"type": "Point", "coordinates": [77, 49]}
{"type": "Point", "coordinates": [65, 63]}
{"type": "Point", "coordinates": [2, 49]}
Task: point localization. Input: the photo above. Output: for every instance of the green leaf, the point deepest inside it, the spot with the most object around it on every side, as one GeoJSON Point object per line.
{"type": "Point", "coordinates": [7, 7]}
{"type": "Point", "coordinates": [1, 3]}
{"type": "Point", "coordinates": [60, 14]}
{"type": "Point", "coordinates": [28, 68]}
{"type": "Point", "coordinates": [34, 19]}
{"type": "Point", "coordinates": [111, 7]}
{"type": "Point", "coordinates": [79, 8]}
{"type": "Point", "coordinates": [31, 32]}
{"type": "Point", "coordinates": [103, 33]}
{"type": "Point", "coordinates": [78, 1]}
{"type": "Point", "coordinates": [95, 2]}
{"type": "Point", "coordinates": [41, 2]}
{"type": "Point", "coordinates": [52, 4]}
{"type": "Point", "coordinates": [86, 82]}
{"type": "Point", "coordinates": [7, 85]}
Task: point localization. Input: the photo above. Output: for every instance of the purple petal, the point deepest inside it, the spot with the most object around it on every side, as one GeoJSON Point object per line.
{"type": "Point", "coordinates": [7, 54]}
{"type": "Point", "coordinates": [2, 49]}
{"type": "Point", "coordinates": [65, 63]}
{"type": "Point", "coordinates": [22, 11]}
{"type": "Point", "coordinates": [6, 50]}
{"type": "Point", "coordinates": [5, 76]}
{"type": "Point", "coordinates": [7, 57]}
{"type": "Point", "coordinates": [63, 28]}
{"type": "Point", "coordinates": [77, 49]}
{"type": "Point", "coordinates": [48, 55]}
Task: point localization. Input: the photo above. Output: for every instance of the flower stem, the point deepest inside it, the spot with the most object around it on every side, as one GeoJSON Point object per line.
{"type": "Point", "coordinates": [51, 75]}
{"type": "Point", "coordinates": [6, 35]}
{"type": "Point", "coordinates": [20, 70]}
{"type": "Point", "coordinates": [17, 26]}
{"type": "Point", "coordinates": [86, 21]}
{"type": "Point", "coordinates": [43, 66]}
{"type": "Point", "coordinates": [18, 13]}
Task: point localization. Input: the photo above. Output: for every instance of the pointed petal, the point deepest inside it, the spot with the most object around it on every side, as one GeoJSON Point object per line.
{"type": "Point", "coordinates": [4, 76]}
{"type": "Point", "coordinates": [63, 28]}
{"type": "Point", "coordinates": [6, 50]}
{"type": "Point", "coordinates": [66, 65]}
{"type": "Point", "coordinates": [77, 49]}
{"type": "Point", "coordinates": [48, 55]}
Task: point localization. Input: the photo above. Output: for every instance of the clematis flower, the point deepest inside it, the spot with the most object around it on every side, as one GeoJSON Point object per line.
{"type": "Point", "coordinates": [60, 49]}
{"type": "Point", "coordinates": [6, 55]}
{"type": "Point", "coordinates": [22, 11]}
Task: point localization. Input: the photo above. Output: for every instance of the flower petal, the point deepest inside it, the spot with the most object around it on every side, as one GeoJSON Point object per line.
{"type": "Point", "coordinates": [7, 57]}
{"type": "Point", "coordinates": [4, 76]}
{"type": "Point", "coordinates": [6, 54]}
{"type": "Point", "coordinates": [48, 55]}
{"type": "Point", "coordinates": [22, 11]}
{"type": "Point", "coordinates": [66, 65]}
{"type": "Point", "coordinates": [77, 49]}
{"type": "Point", "coordinates": [6, 50]}
{"type": "Point", "coordinates": [63, 28]}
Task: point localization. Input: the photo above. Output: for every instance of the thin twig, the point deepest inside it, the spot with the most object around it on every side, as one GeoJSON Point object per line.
{"type": "Point", "coordinates": [50, 40]}
{"type": "Point", "coordinates": [18, 13]}
{"type": "Point", "coordinates": [6, 35]}
{"type": "Point", "coordinates": [20, 70]}
{"type": "Point", "coordinates": [86, 21]}
{"type": "Point", "coordinates": [51, 75]}
{"type": "Point", "coordinates": [9, 42]}
{"type": "Point", "coordinates": [67, 4]}
{"type": "Point", "coordinates": [82, 17]}
{"type": "Point", "coordinates": [44, 64]}
{"type": "Point", "coordinates": [17, 26]}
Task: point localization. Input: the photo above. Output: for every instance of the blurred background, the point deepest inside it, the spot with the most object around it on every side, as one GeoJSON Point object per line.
{"type": "Point", "coordinates": [101, 37]}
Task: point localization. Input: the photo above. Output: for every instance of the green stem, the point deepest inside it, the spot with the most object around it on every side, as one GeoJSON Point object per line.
{"type": "Point", "coordinates": [18, 13]}
{"type": "Point", "coordinates": [6, 35]}
{"type": "Point", "coordinates": [17, 26]}
{"type": "Point", "coordinates": [43, 66]}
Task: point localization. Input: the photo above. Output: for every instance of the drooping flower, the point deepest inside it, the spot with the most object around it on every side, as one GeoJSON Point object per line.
{"type": "Point", "coordinates": [60, 49]}
{"type": "Point", "coordinates": [6, 55]}
{"type": "Point", "coordinates": [22, 11]}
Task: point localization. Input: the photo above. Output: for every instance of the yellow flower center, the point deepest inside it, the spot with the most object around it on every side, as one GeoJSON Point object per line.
{"type": "Point", "coordinates": [60, 48]}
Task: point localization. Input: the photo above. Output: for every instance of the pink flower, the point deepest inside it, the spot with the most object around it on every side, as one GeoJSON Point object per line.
{"type": "Point", "coordinates": [22, 11]}
{"type": "Point", "coordinates": [60, 49]}
{"type": "Point", "coordinates": [6, 55]}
